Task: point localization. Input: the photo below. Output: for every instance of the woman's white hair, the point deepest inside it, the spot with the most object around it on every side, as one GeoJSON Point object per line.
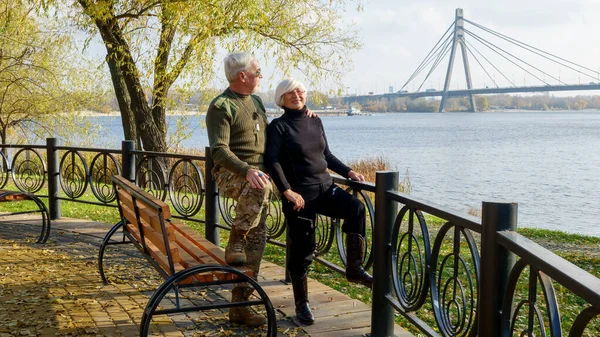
{"type": "Point", "coordinates": [285, 86]}
{"type": "Point", "coordinates": [236, 62]}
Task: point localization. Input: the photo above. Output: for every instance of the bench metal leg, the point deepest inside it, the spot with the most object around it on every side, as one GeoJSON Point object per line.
{"type": "Point", "coordinates": [45, 233]}
{"type": "Point", "coordinates": [106, 242]}
{"type": "Point", "coordinates": [172, 285]}
{"type": "Point", "coordinates": [45, 220]}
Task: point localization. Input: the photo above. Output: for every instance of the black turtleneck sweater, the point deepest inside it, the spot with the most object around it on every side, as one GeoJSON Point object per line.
{"type": "Point", "coordinates": [297, 155]}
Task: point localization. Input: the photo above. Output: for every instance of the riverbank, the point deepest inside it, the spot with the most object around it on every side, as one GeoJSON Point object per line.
{"type": "Point", "coordinates": [90, 113]}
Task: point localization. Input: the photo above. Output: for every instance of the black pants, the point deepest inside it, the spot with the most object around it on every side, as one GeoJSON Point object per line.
{"type": "Point", "coordinates": [335, 203]}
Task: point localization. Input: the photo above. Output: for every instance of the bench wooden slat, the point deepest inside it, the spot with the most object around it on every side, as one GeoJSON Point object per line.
{"type": "Point", "coordinates": [146, 213]}
{"type": "Point", "coordinates": [126, 204]}
{"type": "Point", "coordinates": [203, 251]}
{"type": "Point", "coordinates": [215, 252]}
{"type": "Point", "coordinates": [12, 196]}
{"type": "Point", "coordinates": [153, 233]}
{"type": "Point", "coordinates": [157, 239]}
{"type": "Point", "coordinates": [129, 214]}
{"type": "Point", "coordinates": [150, 217]}
{"type": "Point", "coordinates": [188, 261]}
{"type": "Point", "coordinates": [155, 252]}
{"type": "Point", "coordinates": [165, 208]}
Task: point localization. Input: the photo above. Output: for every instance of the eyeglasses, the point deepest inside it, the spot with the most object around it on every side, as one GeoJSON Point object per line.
{"type": "Point", "coordinates": [296, 91]}
{"type": "Point", "coordinates": [257, 73]}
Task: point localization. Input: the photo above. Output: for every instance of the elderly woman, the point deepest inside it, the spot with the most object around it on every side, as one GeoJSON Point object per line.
{"type": "Point", "coordinates": [297, 157]}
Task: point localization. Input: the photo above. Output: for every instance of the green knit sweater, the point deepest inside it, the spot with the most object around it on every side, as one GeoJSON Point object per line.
{"type": "Point", "coordinates": [236, 126]}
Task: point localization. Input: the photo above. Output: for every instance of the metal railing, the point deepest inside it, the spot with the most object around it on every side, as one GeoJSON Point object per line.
{"type": "Point", "coordinates": [464, 273]}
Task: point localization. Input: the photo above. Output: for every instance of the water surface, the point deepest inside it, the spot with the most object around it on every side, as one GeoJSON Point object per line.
{"type": "Point", "coordinates": [545, 161]}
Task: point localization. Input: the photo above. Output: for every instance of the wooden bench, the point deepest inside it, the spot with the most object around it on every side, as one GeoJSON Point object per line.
{"type": "Point", "coordinates": [178, 253]}
{"type": "Point", "coordinates": [8, 196]}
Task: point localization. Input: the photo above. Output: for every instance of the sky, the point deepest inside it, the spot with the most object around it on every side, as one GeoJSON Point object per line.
{"type": "Point", "coordinates": [397, 35]}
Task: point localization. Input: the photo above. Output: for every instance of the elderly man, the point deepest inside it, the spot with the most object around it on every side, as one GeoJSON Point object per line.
{"type": "Point", "coordinates": [236, 124]}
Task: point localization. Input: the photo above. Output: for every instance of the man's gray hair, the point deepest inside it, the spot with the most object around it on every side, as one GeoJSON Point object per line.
{"type": "Point", "coordinates": [236, 62]}
{"type": "Point", "coordinates": [285, 86]}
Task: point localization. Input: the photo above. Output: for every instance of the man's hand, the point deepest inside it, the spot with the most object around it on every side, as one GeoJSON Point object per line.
{"type": "Point", "coordinates": [356, 176]}
{"type": "Point", "coordinates": [311, 114]}
{"type": "Point", "coordinates": [295, 198]}
{"type": "Point", "coordinates": [257, 178]}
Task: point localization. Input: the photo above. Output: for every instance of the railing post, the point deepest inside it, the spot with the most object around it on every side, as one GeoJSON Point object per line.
{"type": "Point", "coordinates": [127, 148]}
{"type": "Point", "coordinates": [53, 178]}
{"type": "Point", "coordinates": [496, 264]}
{"type": "Point", "coordinates": [212, 215]}
{"type": "Point", "coordinates": [382, 312]}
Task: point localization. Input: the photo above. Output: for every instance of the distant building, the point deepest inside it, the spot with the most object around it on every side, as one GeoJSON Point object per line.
{"type": "Point", "coordinates": [430, 90]}
{"type": "Point", "coordinates": [391, 89]}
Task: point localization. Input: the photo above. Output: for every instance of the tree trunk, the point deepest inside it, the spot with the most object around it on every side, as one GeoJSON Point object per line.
{"type": "Point", "coordinates": [127, 117]}
{"type": "Point", "coordinates": [153, 138]}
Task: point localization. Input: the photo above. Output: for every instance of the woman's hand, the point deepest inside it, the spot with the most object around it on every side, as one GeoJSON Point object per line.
{"type": "Point", "coordinates": [356, 176]}
{"type": "Point", "coordinates": [295, 199]}
{"type": "Point", "coordinates": [311, 114]}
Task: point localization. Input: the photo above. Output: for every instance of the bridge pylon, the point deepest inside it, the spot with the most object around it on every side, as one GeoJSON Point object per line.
{"type": "Point", "coordinates": [458, 39]}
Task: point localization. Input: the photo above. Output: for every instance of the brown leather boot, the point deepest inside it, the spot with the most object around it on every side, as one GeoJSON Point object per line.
{"type": "Point", "coordinates": [244, 315]}
{"type": "Point", "coordinates": [355, 255]}
{"type": "Point", "coordinates": [234, 252]}
{"type": "Point", "coordinates": [300, 287]}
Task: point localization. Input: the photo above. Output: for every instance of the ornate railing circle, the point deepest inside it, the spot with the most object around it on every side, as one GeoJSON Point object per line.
{"type": "Point", "coordinates": [583, 319]}
{"type": "Point", "coordinates": [227, 208]}
{"type": "Point", "coordinates": [73, 179]}
{"type": "Point", "coordinates": [4, 169]}
{"type": "Point", "coordinates": [102, 168]}
{"type": "Point", "coordinates": [150, 176]}
{"type": "Point", "coordinates": [510, 313]}
{"type": "Point", "coordinates": [275, 220]}
{"type": "Point", "coordinates": [186, 187]}
{"type": "Point", "coordinates": [370, 221]}
{"type": "Point", "coordinates": [29, 174]}
{"type": "Point", "coordinates": [452, 284]}
{"type": "Point", "coordinates": [410, 260]}
{"type": "Point", "coordinates": [324, 233]}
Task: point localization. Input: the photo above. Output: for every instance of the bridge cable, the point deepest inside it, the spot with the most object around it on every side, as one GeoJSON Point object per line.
{"type": "Point", "coordinates": [429, 56]}
{"type": "Point", "coordinates": [445, 45]}
{"type": "Point", "coordinates": [490, 63]}
{"type": "Point", "coordinates": [527, 46]}
{"type": "Point", "coordinates": [481, 65]}
{"type": "Point", "coordinates": [498, 70]}
{"type": "Point", "coordinates": [424, 63]}
{"type": "Point", "coordinates": [441, 56]}
{"type": "Point", "coordinates": [435, 58]}
{"type": "Point", "coordinates": [487, 43]}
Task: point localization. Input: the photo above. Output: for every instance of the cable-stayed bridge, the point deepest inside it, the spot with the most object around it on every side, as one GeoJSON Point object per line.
{"type": "Point", "coordinates": [468, 39]}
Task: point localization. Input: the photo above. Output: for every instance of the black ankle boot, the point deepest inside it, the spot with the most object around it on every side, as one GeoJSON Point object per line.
{"type": "Point", "coordinates": [355, 254]}
{"type": "Point", "coordinates": [300, 286]}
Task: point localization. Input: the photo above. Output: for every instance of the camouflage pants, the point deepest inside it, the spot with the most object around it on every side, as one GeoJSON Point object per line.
{"type": "Point", "coordinates": [250, 212]}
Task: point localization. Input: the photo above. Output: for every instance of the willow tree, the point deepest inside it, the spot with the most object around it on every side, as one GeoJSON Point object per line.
{"type": "Point", "coordinates": [28, 60]}
{"type": "Point", "coordinates": [151, 44]}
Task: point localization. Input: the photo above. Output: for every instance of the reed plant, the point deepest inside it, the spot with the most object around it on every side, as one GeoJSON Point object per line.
{"type": "Point", "coordinates": [368, 167]}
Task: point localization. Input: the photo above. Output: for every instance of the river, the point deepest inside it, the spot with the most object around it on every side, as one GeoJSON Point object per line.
{"type": "Point", "coordinates": [546, 161]}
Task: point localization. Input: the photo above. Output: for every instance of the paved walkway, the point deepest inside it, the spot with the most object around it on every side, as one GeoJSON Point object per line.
{"type": "Point", "coordinates": [55, 290]}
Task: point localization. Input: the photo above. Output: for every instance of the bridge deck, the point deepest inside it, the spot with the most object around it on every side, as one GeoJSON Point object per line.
{"type": "Point", "coordinates": [479, 91]}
